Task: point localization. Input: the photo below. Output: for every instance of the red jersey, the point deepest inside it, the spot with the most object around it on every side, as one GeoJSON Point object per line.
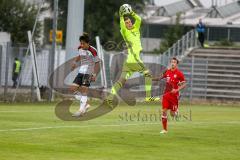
{"type": "Point", "coordinates": [173, 78]}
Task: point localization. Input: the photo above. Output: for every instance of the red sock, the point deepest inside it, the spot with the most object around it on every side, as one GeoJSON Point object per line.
{"type": "Point", "coordinates": [164, 120]}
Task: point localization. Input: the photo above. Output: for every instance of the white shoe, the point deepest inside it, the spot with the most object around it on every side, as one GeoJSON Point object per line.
{"type": "Point", "coordinates": [163, 132]}
{"type": "Point", "coordinates": [87, 107]}
{"type": "Point", "coordinates": [84, 110]}
{"type": "Point", "coordinates": [78, 113]}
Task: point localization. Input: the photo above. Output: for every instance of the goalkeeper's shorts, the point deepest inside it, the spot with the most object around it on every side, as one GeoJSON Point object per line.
{"type": "Point", "coordinates": [129, 68]}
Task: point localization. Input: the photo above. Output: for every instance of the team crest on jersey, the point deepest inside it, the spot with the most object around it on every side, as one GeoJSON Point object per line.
{"type": "Point", "coordinates": [168, 78]}
{"type": "Point", "coordinates": [175, 76]}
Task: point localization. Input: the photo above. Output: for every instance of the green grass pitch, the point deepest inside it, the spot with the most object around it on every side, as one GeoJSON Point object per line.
{"type": "Point", "coordinates": [33, 132]}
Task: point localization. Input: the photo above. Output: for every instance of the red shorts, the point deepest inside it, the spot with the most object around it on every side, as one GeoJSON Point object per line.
{"type": "Point", "coordinates": [170, 103]}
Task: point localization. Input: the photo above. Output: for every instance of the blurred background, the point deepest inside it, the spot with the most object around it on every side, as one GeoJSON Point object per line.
{"type": "Point", "coordinates": [169, 28]}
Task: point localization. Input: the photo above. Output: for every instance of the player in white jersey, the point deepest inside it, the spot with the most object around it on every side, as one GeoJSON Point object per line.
{"type": "Point", "coordinates": [89, 67]}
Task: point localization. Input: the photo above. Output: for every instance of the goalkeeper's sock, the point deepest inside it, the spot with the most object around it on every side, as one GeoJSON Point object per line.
{"type": "Point", "coordinates": [115, 88]}
{"type": "Point", "coordinates": [164, 120]}
{"type": "Point", "coordinates": [148, 86]}
{"type": "Point", "coordinates": [83, 103]}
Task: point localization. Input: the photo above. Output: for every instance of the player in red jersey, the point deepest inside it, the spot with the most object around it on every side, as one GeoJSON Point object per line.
{"type": "Point", "coordinates": [175, 81]}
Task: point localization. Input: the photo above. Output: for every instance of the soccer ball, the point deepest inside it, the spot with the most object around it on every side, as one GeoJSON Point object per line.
{"type": "Point", "coordinates": [125, 9]}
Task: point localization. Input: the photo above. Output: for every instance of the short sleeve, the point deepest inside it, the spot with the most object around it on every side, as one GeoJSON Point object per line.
{"type": "Point", "coordinates": [94, 54]}
{"type": "Point", "coordinates": [181, 77]}
{"type": "Point", "coordinates": [96, 59]}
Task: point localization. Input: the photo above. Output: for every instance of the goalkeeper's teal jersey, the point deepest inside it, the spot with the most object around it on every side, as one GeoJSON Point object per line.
{"type": "Point", "coordinates": [132, 38]}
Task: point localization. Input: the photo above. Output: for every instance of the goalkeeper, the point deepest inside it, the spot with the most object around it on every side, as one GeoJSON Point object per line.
{"type": "Point", "coordinates": [131, 35]}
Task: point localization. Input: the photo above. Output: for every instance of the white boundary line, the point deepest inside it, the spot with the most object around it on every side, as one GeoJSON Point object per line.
{"type": "Point", "coordinates": [75, 126]}
{"type": "Point", "coordinates": [108, 125]}
{"type": "Point", "coordinates": [25, 111]}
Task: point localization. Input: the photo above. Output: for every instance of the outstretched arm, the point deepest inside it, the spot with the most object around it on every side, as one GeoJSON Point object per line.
{"type": "Point", "coordinates": [161, 76]}
{"type": "Point", "coordinates": [138, 20]}
{"type": "Point", "coordinates": [158, 78]}
{"type": "Point", "coordinates": [122, 24]}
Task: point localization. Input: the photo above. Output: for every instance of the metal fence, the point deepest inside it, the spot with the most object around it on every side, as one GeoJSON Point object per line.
{"type": "Point", "coordinates": [213, 33]}
{"type": "Point", "coordinates": [181, 48]}
{"type": "Point", "coordinates": [26, 82]}
{"type": "Point", "coordinates": [26, 69]}
{"type": "Point", "coordinates": [211, 78]}
{"type": "Point", "coordinates": [211, 73]}
{"type": "Point", "coordinates": [8, 53]}
{"type": "Point", "coordinates": [26, 90]}
{"type": "Point", "coordinates": [207, 77]}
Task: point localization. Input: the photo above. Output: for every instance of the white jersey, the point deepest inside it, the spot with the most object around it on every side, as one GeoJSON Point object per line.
{"type": "Point", "coordinates": [88, 58]}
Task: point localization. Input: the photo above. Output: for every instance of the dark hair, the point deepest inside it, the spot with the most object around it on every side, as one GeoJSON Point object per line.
{"type": "Point", "coordinates": [126, 17]}
{"type": "Point", "coordinates": [174, 58]}
{"type": "Point", "coordinates": [84, 37]}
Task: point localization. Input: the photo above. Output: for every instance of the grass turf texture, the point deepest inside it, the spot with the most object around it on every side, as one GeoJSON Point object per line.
{"type": "Point", "coordinates": [32, 131]}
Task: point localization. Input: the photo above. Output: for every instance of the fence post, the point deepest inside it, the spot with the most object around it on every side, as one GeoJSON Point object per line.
{"type": "Point", "coordinates": [34, 64]}
{"type": "Point", "coordinates": [192, 38]}
{"type": "Point", "coordinates": [187, 41]}
{"type": "Point", "coordinates": [196, 39]}
{"type": "Point", "coordinates": [167, 58]}
{"type": "Point", "coordinates": [168, 55]}
{"type": "Point", "coordinates": [32, 87]}
{"type": "Point", "coordinates": [174, 50]}
{"type": "Point", "coordinates": [101, 55]}
{"type": "Point", "coordinates": [178, 47]}
{"type": "Point", "coordinates": [50, 72]}
{"type": "Point", "coordinates": [192, 76]}
{"type": "Point", "coordinates": [0, 65]}
{"type": "Point", "coordinates": [206, 77]}
{"type": "Point", "coordinates": [229, 34]}
{"type": "Point", "coordinates": [8, 52]}
{"type": "Point", "coordinates": [183, 41]}
{"type": "Point", "coordinates": [162, 59]}
{"type": "Point", "coordinates": [208, 30]}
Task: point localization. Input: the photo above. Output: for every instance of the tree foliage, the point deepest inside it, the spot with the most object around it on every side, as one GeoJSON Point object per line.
{"type": "Point", "coordinates": [100, 17]}
{"type": "Point", "coordinates": [16, 18]}
{"type": "Point", "coordinates": [173, 34]}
